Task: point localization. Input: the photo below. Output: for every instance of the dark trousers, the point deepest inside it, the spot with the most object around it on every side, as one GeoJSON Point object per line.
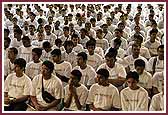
{"type": "Point", "coordinates": [22, 106]}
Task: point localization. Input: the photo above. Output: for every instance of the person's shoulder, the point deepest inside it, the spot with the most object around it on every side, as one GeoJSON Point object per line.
{"type": "Point", "coordinates": [141, 89]}
{"type": "Point", "coordinates": [26, 77]}
{"type": "Point", "coordinates": [125, 90]}
{"type": "Point", "coordinates": [83, 87]}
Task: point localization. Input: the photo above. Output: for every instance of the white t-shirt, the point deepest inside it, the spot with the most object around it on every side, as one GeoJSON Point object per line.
{"type": "Point", "coordinates": [152, 46]}
{"type": "Point", "coordinates": [63, 68]}
{"type": "Point", "coordinates": [121, 52]}
{"type": "Point", "coordinates": [82, 93]}
{"type": "Point", "coordinates": [117, 71]}
{"type": "Point", "coordinates": [157, 103]}
{"type": "Point", "coordinates": [108, 36]}
{"type": "Point", "coordinates": [145, 80]}
{"type": "Point", "coordinates": [157, 80]}
{"type": "Point", "coordinates": [159, 64]}
{"type": "Point", "coordinates": [51, 38]}
{"type": "Point", "coordinates": [46, 55]}
{"type": "Point", "coordinates": [33, 69]}
{"type": "Point", "coordinates": [129, 61]}
{"type": "Point", "coordinates": [124, 43]}
{"type": "Point", "coordinates": [94, 60]}
{"type": "Point", "coordinates": [71, 57]}
{"type": "Point", "coordinates": [17, 86]}
{"type": "Point", "coordinates": [15, 43]}
{"type": "Point", "coordinates": [134, 100]}
{"type": "Point", "coordinates": [8, 67]}
{"type": "Point", "coordinates": [25, 53]}
{"type": "Point", "coordinates": [88, 75]}
{"type": "Point", "coordinates": [78, 48]}
{"type": "Point", "coordinates": [103, 43]}
{"type": "Point", "coordinates": [104, 97]}
{"type": "Point", "coordinates": [52, 85]}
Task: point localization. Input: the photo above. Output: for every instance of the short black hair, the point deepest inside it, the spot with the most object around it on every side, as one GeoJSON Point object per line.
{"type": "Point", "coordinates": [7, 31]}
{"type": "Point", "coordinates": [25, 38]}
{"type": "Point", "coordinates": [139, 63]}
{"type": "Point", "coordinates": [91, 42]}
{"type": "Point", "coordinates": [49, 65]}
{"type": "Point", "coordinates": [112, 53]}
{"type": "Point", "coordinates": [57, 41]}
{"type": "Point", "coordinates": [77, 74]}
{"type": "Point", "coordinates": [103, 72]}
{"type": "Point", "coordinates": [66, 28]}
{"type": "Point", "coordinates": [18, 30]}
{"type": "Point", "coordinates": [83, 55]}
{"type": "Point", "coordinates": [74, 36]}
{"type": "Point", "coordinates": [46, 44]}
{"type": "Point", "coordinates": [56, 52]}
{"type": "Point", "coordinates": [161, 46]}
{"type": "Point", "coordinates": [7, 39]}
{"type": "Point", "coordinates": [153, 31]}
{"type": "Point", "coordinates": [68, 43]}
{"type": "Point", "coordinates": [133, 74]}
{"type": "Point", "coordinates": [38, 51]}
{"type": "Point", "coordinates": [20, 62]}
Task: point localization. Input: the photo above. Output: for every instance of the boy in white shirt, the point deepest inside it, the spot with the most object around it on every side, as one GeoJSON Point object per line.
{"type": "Point", "coordinates": [94, 59]}
{"type": "Point", "coordinates": [46, 53]}
{"type": "Point", "coordinates": [116, 70]}
{"type": "Point", "coordinates": [134, 97]}
{"type": "Point", "coordinates": [34, 66]}
{"type": "Point", "coordinates": [9, 62]}
{"type": "Point", "coordinates": [51, 84]}
{"type": "Point", "coordinates": [17, 40]}
{"type": "Point", "coordinates": [145, 78]}
{"type": "Point", "coordinates": [88, 73]}
{"type": "Point", "coordinates": [75, 93]}
{"type": "Point", "coordinates": [103, 96]}
{"type": "Point", "coordinates": [62, 69]}
{"type": "Point", "coordinates": [50, 37]}
{"type": "Point", "coordinates": [17, 86]}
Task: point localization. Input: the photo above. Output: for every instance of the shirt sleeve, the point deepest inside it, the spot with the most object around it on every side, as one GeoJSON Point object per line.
{"type": "Point", "coordinates": [27, 87]}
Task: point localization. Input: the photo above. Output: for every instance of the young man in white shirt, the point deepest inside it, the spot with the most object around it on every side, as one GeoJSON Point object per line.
{"type": "Point", "coordinates": [62, 69]}
{"type": "Point", "coordinates": [75, 93]}
{"type": "Point", "coordinates": [145, 78]}
{"type": "Point", "coordinates": [25, 50]}
{"type": "Point", "coordinates": [9, 62]}
{"type": "Point", "coordinates": [156, 64]}
{"type": "Point", "coordinates": [34, 66]}
{"type": "Point", "coordinates": [46, 53]}
{"type": "Point", "coordinates": [94, 59]}
{"type": "Point", "coordinates": [116, 70]}
{"type": "Point", "coordinates": [17, 40]}
{"type": "Point", "coordinates": [103, 96]}
{"type": "Point", "coordinates": [134, 97]}
{"type": "Point", "coordinates": [51, 84]}
{"type": "Point", "coordinates": [69, 55]}
{"type": "Point", "coordinates": [50, 37]}
{"type": "Point", "coordinates": [88, 73]}
{"type": "Point", "coordinates": [17, 88]}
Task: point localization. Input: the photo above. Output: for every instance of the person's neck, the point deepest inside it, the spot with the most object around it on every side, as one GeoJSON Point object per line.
{"type": "Point", "coordinates": [91, 53]}
{"type": "Point", "coordinates": [48, 34]}
{"type": "Point", "coordinates": [31, 33]}
{"type": "Point", "coordinates": [46, 77]}
{"type": "Point", "coordinates": [77, 85]}
{"type": "Point", "coordinates": [161, 58]}
{"type": "Point", "coordinates": [12, 60]}
{"type": "Point", "coordinates": [60, 61]}
{"type": "Point", "coordinates": [83, 66]}
{"type": "Point", "coordinates": [137, 87]}
{"type": "Point", "coordinates": [19, 74]}
{"type": "Point", "coordinates": [36, 61]}
{"type": "Point", "coordinates": [135, 56]}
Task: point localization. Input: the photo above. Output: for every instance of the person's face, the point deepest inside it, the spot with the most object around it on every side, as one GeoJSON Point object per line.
{"type": "Point", "coordinates": [11, 54]}
{"type": "Point", "coordinates": [139, 69]}
{"type": "Point", "coordinates": [6, 44]}
{"type": "Point", "coordinates": [26, 43]}
{"type": "Point", "coordinates": [161, 52]}
{"type": "Point", "coordinates": [108, 21]}
{"type": "Point", "coordinates": [91, 49]}
{"type": "Point", "coordinates": [117, 34]}
{"type": "Point", "coordinates": [98, 34]}
{"type": "Point", "coordinates": [137, 29]}
{"type": "Point", "coordinates": [31, 29]}
{"type": "Point", "coordinates": [56, 58]}
{"type": "Point", "coordinates": [105, 27]}
{"type": "Point", "coordinates": [57, 24]}
{"type": "Point", "coordinates": [35, 57]}
{"type": "Point", "coordinates": [17, 68]}
{"type": "Point", "coordinates": [110, 61]}
{"type": "Point", "coordinates": [136, 50]}
{"type": "Point", "coordinates": [40, 36]}
{"type": "Point", "coordinates": [48, 30]}
{"type": "Point", "coordinates": [80, 61]}
{"type": "Point", "coordinates": [45, 71]}
{"type": "Point", "coordinates": [66, 32]}
{"type": "Point", "coordinates": [121, 26]}
{"type": "Point", "coordinates": [100, 79]}
{"type": "Point", "coordinates": [75, 41]}
{"type": "Point", "coordinates": [88, 26]}
{"type": "Point", "coordinates": [153, 36]}
{"type": "Point", "coordinates": [69, 48]}
{"type": "Point", "coordinates": [73, 80]}
{"type": "Point", "coordinates": [132, 83]}
{"type": "Point", "coordinates": [99, 17]}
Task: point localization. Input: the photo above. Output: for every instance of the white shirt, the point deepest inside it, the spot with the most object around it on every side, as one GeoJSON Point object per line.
{"type": "Point", "coordinates": [71, 57]}
{"type": "Point", "coordinates": [17, 86]}
{"type": "Point", "coordinates": [117, 71]}
{"type": "Point", "coordinates": [52, 85]}
{"type": "Point", "coordinates": [104, 97]}
{"type": "Point", "coordinates": [157, 80]}
{"type": "Point", "coordinates": [157, 103]}
{"type": "Point", "coordinates": [134, 100]}
{"type": "Point", "coordinates": [103, 43]}
{"type": "Point", "coordinates": [33, 69]}
{"type": "Point", "coordinates": [88, 75]}
{"type": "Point", "coordinates": [8, 67]}
{"type": "Point", "coordinates": [82, 93]}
